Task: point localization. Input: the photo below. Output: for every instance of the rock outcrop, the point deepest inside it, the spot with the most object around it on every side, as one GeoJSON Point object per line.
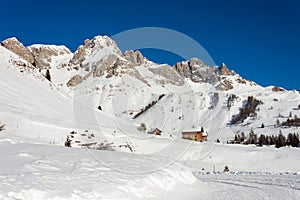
{"type": "Point", "coordinates": [99, 44]}
{"type": "Point", "coordinates": [134, 57]}
{"type": "Point", "coordinates": [223, 70]}
{"type": "Point", "coordinates": [18, 48]}
{"type": "Point", "coordinates": [224, 85]}
{"type": "Point", "coordinates": [196, 70]}
{"type": "Point", "coordinates": [75, 80]}
{"type": "Point", "coordinates": [183, 68]}
{"type": "Point", "coordinates": [43, 54]}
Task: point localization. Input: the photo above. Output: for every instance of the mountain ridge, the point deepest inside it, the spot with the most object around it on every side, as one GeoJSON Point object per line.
{"type": "Point", "coordinates": [123, 84]}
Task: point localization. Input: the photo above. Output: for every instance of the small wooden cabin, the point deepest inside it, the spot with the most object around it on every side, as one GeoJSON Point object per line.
{"type": "Point", "coordinates": [194, 134]}
{"type": "Point", "coordinates": [155, 131]}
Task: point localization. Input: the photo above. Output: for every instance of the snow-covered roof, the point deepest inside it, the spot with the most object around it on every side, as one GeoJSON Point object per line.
{"type": "Point", "coordinates": [191, 130]}
{"type": "Point", "coordinates": [194, 131]}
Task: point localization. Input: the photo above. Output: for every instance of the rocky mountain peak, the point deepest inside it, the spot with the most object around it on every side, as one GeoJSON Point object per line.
{"type": "Point", "coordinates": [18, 48]}
{"type": "Point", "coordinates": [44, 54]}
{"type": "Point", "coordinates": [183, 68]}
{"type": "Point", "coordinates": [135, 57]}
{"type": "Point", "coordinates": [196, 70]}
{"type": "Point", "coordinates": [193, 62]}
{"type": "Point", "coordinates": [101, 45]}
{"type": "Point", "coordinates": [223, 70]}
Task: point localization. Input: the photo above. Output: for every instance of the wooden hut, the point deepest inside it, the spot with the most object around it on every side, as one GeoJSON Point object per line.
{"type": "Point", "coordinates": [194, 134]}
{"type": "Point", "coordinates": [155, 131]}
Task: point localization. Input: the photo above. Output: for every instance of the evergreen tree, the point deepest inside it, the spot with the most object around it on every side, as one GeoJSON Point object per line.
{"type": "Point", "coordinates": [202, 129]}
{"type": "Point", "coordinates": [277, 122]}
{"type": "Point", "coordinates": [280, 141]}
{"type": "Point", "coordinates": [48, 75]}
{"type": "Point", "coordinates": [262, 140]}
{"type": "Point", "coordinates": [68, 142]}
{"type": "Point", "coordinates": [296, 140]}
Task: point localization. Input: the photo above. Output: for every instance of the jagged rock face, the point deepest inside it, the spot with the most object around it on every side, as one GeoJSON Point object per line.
{"type": "Point", "coordinates": [98, 44]}
{"type": "Point", "coordinates": [18, 48]}
{"type": "Point", "coordinates": [195, 61]}
{"type": "Point", "coordinates": [196, 70]}
{"type": "Point", "coordinates": [113, 65]}
{"type": "Point", "coordinates": [183, 69]}
{"type": "Point", "coordinates": [224, 85]}
{"type": "Point", "coordinates": [79, 55]}
{"type": "Point", "coordinates": [223, 70]}
{"type": "Point", "coordinates": [135, 57]}
{"type": "Point", "coordinates": [201, 73]}
{"type": "Point", "coordinates": [43, 54]}
{"type": "Point", "coordinates": [75, 80]}
{"type": "Point", "coordinates": [169, 74]}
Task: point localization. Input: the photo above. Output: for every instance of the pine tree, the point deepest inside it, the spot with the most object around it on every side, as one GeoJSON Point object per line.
{"type": "Point", "coordinates": [48, 75]}
{"type": "Point", "coordinates": [277, 122]}
{"type": "Point", "coordinates": [68, 142]}
{"type": "Point", "coordinates": [280, 141]}
{"type": "Point", "coordinates": [296, 140]}
{"type": "Point", "coordinates": [262, 140]}
{"type": "Point", "coordinates": [226, 169]}
{"type": "Point", "coordinates": [202, 129]}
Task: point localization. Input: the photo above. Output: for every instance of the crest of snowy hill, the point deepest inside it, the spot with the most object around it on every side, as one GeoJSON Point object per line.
{"type": "Point", "coordinates": [132, 89]}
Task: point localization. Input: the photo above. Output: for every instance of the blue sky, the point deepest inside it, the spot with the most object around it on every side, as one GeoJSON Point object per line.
{"type": "Point", "coordinates": [259, 40]}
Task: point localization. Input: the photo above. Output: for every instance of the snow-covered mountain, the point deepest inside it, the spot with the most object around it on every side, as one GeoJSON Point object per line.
{"type": "Point", "coordinates": [103, 98]}
{"type": "Point", "coordinates": [192, 94]}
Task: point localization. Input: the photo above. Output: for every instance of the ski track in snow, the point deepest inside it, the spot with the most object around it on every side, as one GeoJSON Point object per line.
{"type": "Point", "coordinates": [253, 185]}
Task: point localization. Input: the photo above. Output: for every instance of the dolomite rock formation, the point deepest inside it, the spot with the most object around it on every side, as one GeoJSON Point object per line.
{"type": "Point", "coordinates": [75, 80]}
{"type": "Point", "coordinates": [43, 54]}
{"type": "Point", "coordinates": [18, 48]}
{"type": "Point", "coordinates": [135, 57]}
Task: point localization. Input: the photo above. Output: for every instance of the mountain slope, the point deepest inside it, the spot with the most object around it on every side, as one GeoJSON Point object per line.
{"type": "Point", "coordinates": [195, 95]}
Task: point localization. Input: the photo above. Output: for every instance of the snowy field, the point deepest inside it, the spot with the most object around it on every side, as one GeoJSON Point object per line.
{"type": "Point", "coordinates": [253, 185]}
{"type": "Point", "coordinates": [30, 171]}
{"type": "Point", "coordinates": [36, 171]}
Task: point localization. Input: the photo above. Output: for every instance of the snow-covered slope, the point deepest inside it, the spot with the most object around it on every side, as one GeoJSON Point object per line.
{"type": "Point", "coordinates": [99, 98]}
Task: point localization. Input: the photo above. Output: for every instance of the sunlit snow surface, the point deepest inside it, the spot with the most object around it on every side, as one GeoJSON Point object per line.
{"type": "Point", "coordinates": [38, 116]}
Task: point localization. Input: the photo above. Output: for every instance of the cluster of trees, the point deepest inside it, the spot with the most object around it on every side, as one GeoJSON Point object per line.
{"type": "Point", "coordinates": [68, 142]}
{"type": "Point", "coordinates": [230, 100]}
{"type": "Point", "coordinates": [148, 106]}
{"type": "Point", "coordinates": [249, 110]}
{"type": "Point", "coordinates": [278, 140]}
{"type": "Point", "coordinates": [292, 122]}
{"type": "Point", "coordinates": [142, 127]}
{"type": "Point", "coordinates": [214, 100]}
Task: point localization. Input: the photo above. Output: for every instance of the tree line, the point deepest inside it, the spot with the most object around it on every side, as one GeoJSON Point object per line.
{"type": "Point", "coordinates": [279, 140]}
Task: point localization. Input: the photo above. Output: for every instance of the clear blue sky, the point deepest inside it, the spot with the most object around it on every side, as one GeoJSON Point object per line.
{"type": "Point", "coordinates": [259, 40]}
